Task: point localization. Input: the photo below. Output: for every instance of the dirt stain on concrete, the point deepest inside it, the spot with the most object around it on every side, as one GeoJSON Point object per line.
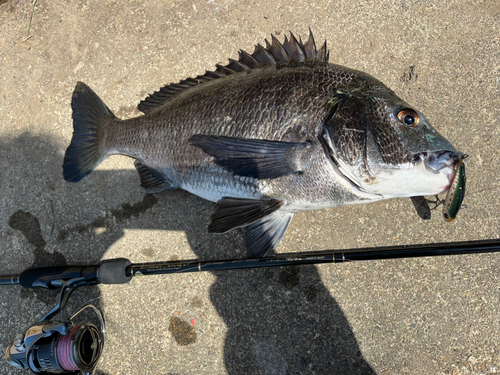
{"type": "Point", "coordinates": [126, 211]}
{"type": "Point", "coordinates": [149, 252]}
{"type": "Point", "coordinates": [29, 226]}
{"type": "Point", "coordinates": [410, 74]}
{"type": "Point", "coordinates": [311, 292]}
{"type": "Point", "coordinates": [131, 210]}
{"type": "Point", "coordinates": [196, 302]}
{"type": "Point", "coordinates": [290, 277]}
{"type": "Point", "coordinates": [183, 332]}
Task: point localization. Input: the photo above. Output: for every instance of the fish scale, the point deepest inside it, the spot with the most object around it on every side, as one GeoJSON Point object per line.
{"type": "Point", "coordinates": [276, 132]}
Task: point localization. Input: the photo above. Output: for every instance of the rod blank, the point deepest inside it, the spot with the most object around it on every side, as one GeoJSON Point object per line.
{"type": "Point", "coordinates": [319, 257]}
{"type": "Point", "coordinates": [9, 280]}
{"type": "Point", "coordinates": [120, 271]}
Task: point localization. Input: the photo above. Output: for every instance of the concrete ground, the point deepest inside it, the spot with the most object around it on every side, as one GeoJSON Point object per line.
{"type": "Point", "coordinates": [416, 316]}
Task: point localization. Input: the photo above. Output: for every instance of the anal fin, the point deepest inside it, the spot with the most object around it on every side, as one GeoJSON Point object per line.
{"type": "Point", "coordinates": [265, 234]}
{"type": "Point", "coordinates": [152, 180]}
{"type": "Point", "coordinates": [233, 213]}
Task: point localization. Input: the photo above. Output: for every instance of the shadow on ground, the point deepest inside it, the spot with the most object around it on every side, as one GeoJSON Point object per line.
{"type": "Point", "coordinates": [280, 320]}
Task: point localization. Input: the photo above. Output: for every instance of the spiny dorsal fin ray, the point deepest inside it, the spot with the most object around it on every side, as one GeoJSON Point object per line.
{"type": "Point", "coordinates": [263, 56]}
{"type": "Point", "coordinates": [248, 60]}
{"type": "Point", "coordinates": [310, 48]}
{"type": "Point", "coordinates": [278, 52]}
{"type": "Point", "coordinates": [294, 49]}
{"type": "Point", "coordinates": [275, 52]}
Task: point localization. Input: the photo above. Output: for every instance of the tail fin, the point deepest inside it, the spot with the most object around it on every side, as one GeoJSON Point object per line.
{"type": "Point", "coordinates": [84, 153]}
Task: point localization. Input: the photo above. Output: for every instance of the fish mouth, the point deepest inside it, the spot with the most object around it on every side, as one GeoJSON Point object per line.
{"type": "Point", "coordinates": [440, 161]}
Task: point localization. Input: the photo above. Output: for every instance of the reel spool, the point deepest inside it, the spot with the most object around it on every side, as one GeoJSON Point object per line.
{"type": "Point", "coordinates": [51, 347]}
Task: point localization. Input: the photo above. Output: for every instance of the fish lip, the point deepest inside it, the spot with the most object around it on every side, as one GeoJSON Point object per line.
{"type": "Point", "coordinates": [437, 161]}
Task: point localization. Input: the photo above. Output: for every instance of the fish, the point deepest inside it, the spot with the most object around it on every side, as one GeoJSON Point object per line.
{"type": "Point", "coordinates": [275, 132]}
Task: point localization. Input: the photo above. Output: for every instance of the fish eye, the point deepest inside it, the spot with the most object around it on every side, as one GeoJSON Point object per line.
{"type": "Point", "coordinates": [409, 117]}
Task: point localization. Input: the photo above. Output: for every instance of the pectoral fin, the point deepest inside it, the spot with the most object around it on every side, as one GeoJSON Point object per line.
{"type": "Point", "coordinates": [253, 157]}
{"type": "Point", "coordinates": [238, 212]}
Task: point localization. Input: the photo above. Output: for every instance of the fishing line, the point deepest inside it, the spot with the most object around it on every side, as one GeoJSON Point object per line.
{"type": "Point", "coordinates": [485, 189]}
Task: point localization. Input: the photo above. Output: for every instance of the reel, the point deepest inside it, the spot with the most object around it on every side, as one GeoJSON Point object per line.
{"type": "Point", "coordinates": [52, 347]}
{"type": "Point", "coordinates": [63, 347]}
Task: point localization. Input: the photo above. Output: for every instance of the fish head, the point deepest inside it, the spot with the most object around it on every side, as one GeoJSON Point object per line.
{"type": "Point", "coordinates": [381, 145]}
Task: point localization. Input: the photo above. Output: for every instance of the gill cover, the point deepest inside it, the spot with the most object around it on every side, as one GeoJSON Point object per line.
{"type": "Point", "coordinates": [364, 122]}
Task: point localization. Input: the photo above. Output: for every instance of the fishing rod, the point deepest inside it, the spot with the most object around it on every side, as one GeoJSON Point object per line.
{"type": "Point", "coordinates": [50, 346]}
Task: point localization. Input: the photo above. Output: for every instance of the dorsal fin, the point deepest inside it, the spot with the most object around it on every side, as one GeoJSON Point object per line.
{"type": "Point", "coordinates": [275, 52]}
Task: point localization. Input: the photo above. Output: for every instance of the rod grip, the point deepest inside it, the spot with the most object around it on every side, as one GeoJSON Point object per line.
{"type": "Point", "coordinates": [113, 271]}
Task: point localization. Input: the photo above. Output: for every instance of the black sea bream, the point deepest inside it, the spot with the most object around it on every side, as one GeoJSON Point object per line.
{"type": "Point", "coordinates": [276, 132]}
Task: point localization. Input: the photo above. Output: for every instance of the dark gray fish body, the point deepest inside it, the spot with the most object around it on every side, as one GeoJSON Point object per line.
{"type": "Point", "coordinates": [277, 132]}
{"type": "Point", "coordinates": [268, 104]}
